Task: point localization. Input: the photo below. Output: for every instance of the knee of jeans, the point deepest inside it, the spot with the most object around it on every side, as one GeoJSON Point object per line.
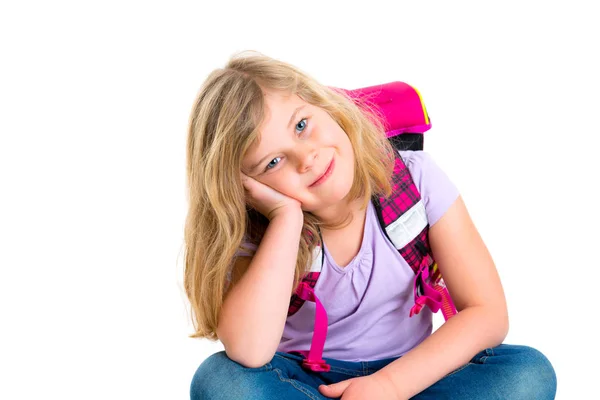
{"type": "Point", "coordinates": [537, 378]}
{"type": "Point", "coordinates": [217, 373]}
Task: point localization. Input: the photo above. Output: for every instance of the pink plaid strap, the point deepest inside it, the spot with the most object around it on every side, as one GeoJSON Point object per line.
{"type": "Point", "coordinates": [314, 357]}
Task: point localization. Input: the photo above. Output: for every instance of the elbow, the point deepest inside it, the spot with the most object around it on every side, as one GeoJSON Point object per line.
{"type": "Point", "coordinates": [499, 324]}
{"type": "Point", "coordinates": [249, 358]}
{"type": "Point", "coordinates": [500, 334]}
{"type": "Point", "coordinates": [245, 350]}
{"type": "Point", "coordinates": [491, 322]}
{"type": "Point", "coordinates": [246, 353]}
{"type": "Point", "coordinates": [504, 325]}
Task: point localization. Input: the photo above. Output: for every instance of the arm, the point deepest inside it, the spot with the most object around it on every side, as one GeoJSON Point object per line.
{"type": "Point", "coordinates": [474, 285]}
{"type": "Point", "coordinates": [255, 307]}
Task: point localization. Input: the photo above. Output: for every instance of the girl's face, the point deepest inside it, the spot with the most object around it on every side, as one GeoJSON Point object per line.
{"type": "Point", "coordinates": [302, 153]}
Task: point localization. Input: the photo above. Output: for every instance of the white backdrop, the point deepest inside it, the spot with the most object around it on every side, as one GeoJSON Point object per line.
{"type": "Point", "coordinates": [94, 101]}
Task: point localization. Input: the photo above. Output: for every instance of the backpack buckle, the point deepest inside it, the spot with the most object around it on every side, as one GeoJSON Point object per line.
{"type": "Point", "coordinates": [419, 303]}
{"type": "Point", "coordinates": [316, 365]}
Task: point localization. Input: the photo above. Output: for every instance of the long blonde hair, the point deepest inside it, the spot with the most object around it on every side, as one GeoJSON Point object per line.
{"type": "Point", "coordinates": [223, 124]}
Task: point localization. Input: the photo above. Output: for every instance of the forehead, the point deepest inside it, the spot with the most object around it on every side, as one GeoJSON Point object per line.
{"type": "Point", "coordinates": [279, 107]}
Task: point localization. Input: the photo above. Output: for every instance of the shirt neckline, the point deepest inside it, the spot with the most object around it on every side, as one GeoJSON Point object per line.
{"type": "Point", "coordinates": [362, 251]}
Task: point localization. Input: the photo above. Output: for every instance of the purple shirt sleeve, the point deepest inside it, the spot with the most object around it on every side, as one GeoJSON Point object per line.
{"type": "Point", "coordinates": [437, 190]}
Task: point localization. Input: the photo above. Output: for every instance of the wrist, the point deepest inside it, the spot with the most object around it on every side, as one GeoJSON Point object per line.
{"type": "Point", "coordinates": [289, 213]}
{"type": "Point", "coordinates": [385, 380]}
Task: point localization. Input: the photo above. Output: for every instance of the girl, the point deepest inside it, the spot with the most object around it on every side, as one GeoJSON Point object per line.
{"type": "Point", "coordinates": [281, 172]}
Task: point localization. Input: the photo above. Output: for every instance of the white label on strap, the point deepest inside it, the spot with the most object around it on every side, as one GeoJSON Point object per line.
{"type": "Point", "coordinates": [408, 226]}
{"type": "Point", "coordinates": [317, 259]}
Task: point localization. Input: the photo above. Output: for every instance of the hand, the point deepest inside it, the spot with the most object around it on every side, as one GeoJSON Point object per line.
{"type": "Point", "coordinates": [366, 387]}
{"type": "Point", "coordinates": [267, 200]}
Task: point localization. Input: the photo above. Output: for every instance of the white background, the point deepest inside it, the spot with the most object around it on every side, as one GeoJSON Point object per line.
{"type": "Point", "coordinates": [94, 102]}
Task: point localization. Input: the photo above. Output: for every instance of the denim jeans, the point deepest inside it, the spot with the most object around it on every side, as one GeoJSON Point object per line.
{"type": "Point", "coordinates": [503, 372]}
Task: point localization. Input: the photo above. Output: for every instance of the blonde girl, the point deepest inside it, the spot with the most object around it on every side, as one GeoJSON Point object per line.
{"type": "Point", "coordinates": [281, 168]}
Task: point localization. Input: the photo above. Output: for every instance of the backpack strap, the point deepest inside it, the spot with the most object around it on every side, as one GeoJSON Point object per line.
{"type": "Point", "coordinates": [309, 279]}
{"type": "Point", "coordinates": [305, 292]}
{"type": "Point", "coordinates": [313, 358]}
{"type": "Point", "coordinates": [404, 219]}
{"type": "Point", "coordinates": [402, 215]}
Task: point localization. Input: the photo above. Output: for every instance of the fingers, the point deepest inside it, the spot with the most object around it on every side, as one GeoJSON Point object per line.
{"type": "Point", "coordinates": [264, 198]}
{"type": "Point", "coordinates": [334, 390]}
{"type": "Point", "coordinates": [247, 186]}
{"type": "Point", "coordinates": [246, 180]}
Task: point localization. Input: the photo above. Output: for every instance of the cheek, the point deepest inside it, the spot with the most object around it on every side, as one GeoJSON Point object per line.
{"type": "Point", "coordinates": [283, 183]}
{"type": "Point", "coordinates": [349, 164]}
{"type": "Point", "coordinates": [347, 150]}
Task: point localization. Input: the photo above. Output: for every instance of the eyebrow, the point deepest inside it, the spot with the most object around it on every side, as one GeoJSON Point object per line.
{"type": "Point", "coordinates": [254, 166]}
{"type": "Point", "coordinates": [294, 116]}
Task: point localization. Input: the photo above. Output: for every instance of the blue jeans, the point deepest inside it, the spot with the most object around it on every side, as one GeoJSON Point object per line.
{"type": "Point", "coordinates": [503, 372]}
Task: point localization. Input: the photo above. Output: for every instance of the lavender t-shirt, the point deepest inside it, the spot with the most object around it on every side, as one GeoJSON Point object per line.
{"type": "Point", "coordinates": [369, 300]}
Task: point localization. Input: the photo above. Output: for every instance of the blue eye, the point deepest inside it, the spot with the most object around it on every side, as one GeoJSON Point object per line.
{"type": "Point", "coordinates": [300, 128]}
{"type": "Point", "coordinates": [273, 165]}
{"type": "Point", "coordinates": [301, 125]}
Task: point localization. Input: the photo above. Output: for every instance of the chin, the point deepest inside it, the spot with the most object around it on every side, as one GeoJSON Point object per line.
{"type": "Point", "coordinates": [331, 199]}
{"type": "Point", "coordinates": [342, 190]}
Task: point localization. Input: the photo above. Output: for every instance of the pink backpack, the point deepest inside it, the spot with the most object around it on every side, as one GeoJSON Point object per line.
{"type": "Point", "coordinates": [402, 216]}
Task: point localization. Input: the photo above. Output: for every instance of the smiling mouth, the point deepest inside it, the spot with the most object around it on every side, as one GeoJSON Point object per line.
{"type": "Point", "coordinates": [325, 175]}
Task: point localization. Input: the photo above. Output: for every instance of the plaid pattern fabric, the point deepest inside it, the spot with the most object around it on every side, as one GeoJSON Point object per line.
{"type": "Point", "coordinates": [296, 302]}
{"type": "Point", "coordinates": [413, 253]}
{"type": "Point", "coordinates": [404, 194]}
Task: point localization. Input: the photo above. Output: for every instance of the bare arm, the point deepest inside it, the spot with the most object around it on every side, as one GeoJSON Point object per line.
{"type": "Point", "coordinates": [255, 308]}
{"type": "Point", "coordinates": [475, 287]}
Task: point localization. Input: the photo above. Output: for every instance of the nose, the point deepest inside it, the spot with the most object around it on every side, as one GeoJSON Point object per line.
{"type": "Point", "coordinates": [306, 157]}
